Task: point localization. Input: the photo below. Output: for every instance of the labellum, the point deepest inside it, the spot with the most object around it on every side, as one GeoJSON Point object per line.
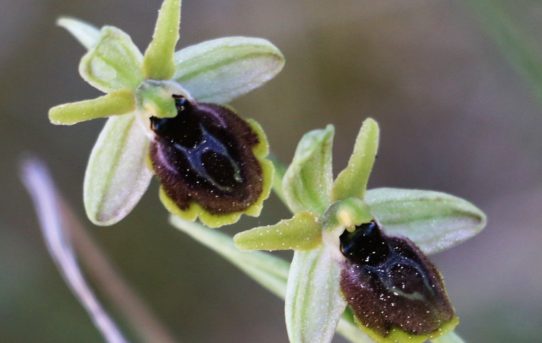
{"type": "Point", "coordinates": [205, 155]}
{"type": "Point", "coordinates": [392, 287]}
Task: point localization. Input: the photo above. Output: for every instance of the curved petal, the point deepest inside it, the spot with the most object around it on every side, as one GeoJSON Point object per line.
{"type": "Point", "coordinates": [117, 175]}
{"type": "Point", "coordinates": [309, 178]}
{"type": "Point", "coordinates": [435, 221]}
{"type": "Point", "coordinates": [114, 63]}
{"type": "Point", "coordinates": [85, 33]}
{"type": "Point", "coordinates": [314, 302]}
{"type": "Point", "coordinates": [222, 69]}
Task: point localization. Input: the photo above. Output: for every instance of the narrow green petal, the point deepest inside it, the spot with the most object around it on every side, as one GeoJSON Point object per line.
{"type": "Point", "coordinates": [85, 33]}
{"type": "Point", "coordinates": [352, 181]}
{"type": "Point", "coordinates": [308, 181]}
{"type": "Point", "coordinates": [112, 104]}
{"type": "Point", "coordinates": [223, 69]}
{"type": "Point", "coordinates": [314, 301]}
{"type": "Point", "coordinates": [434, 221]}
{"type": "Point", "coordinates": [302, 232]}
{"type": "Point", "coordinates": [158, 61]}
{"type": "Point", "coordinates": [117, 175]}
{"type": "Point", "coordinates": [114, 63]}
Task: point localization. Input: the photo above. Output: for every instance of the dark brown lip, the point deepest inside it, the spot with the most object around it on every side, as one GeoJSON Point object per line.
{"type": "Point", "coordinates": [389, 283]}
{"type": "Point", "coordinates": [204, 155]}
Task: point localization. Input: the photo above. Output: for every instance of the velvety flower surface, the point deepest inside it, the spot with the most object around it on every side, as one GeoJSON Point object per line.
{"type": "Point", "coordinates": [168, 107]}
{"type": "Point", "coordinates": [391, 286]}
{"type": "Point", "coordinates": [362, 252]}
{"type": "Point", "coordinates": [205, 156]}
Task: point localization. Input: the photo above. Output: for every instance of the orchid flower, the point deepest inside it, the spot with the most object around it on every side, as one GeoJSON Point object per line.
{"type": "Point", "coordinates": [362, 252]}
{"type": "Point", "coordinates": [166, 116]}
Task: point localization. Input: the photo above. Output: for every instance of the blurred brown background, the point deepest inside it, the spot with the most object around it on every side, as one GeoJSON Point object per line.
{"type": "Point", "coordinates": [454, 115]}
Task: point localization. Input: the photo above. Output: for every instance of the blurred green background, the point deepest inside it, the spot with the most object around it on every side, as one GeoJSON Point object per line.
{"type": "Point", "coordinates": [441, 77]}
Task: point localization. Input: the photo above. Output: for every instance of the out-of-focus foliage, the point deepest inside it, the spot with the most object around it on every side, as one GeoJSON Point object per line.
{"type": "Point", "coordinates": [454, 113]}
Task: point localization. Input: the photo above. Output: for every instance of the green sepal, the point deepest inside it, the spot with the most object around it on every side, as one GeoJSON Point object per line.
{"type": "Point", "coordinates": [114, 63]}
{"type": "Point", "coordinates": [117, 175]}
{"type": "Point", "coordinates": [223, 69]}
{"type": "Point", "coordinates": [308, 180]}
{"type": "Point", "coordinates": [158, 61]}
{"type": "Point", "coordinates": [194, 211]}
{"type": "Point", "coordinates": [85, 33]}
{"type": "Point", "coordinates": [115, 103]}
{"type": "Point", "coordinates": [434, 221]}
{"type": "Point", "coordinates": [352, 181]}
{"type": "Point", "coordinates": [314, 302]}
{"type": "Point", "coordinates": [301, 232]}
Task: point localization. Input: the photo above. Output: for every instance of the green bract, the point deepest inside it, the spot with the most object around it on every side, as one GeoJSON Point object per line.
{"type": "Point", "coordinates": [324, 209]}
{"type": "Point", "coordinates": [139, 86]}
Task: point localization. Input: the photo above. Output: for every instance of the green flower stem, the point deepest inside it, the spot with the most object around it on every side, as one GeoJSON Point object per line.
{"type": "Point", "coordinates": [115, 103]}
{"type": "Point", "coordinates": [158, 61]}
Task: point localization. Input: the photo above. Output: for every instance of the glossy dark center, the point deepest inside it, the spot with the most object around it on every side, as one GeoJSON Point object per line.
{"type": "Point", "coordinates": [199, 145]}
{"type": "Point", "coordinates": [205, 155]}
{"type": "Point", "coordinates": [365, 245]}
{"type": "Point", "coordinates": [389, 283]}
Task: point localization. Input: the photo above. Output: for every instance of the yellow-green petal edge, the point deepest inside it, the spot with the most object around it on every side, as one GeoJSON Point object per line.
{"type": "Point", "coordinates": [194, 211]}
{"type": "Point", "coordinates": [398, 336]}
